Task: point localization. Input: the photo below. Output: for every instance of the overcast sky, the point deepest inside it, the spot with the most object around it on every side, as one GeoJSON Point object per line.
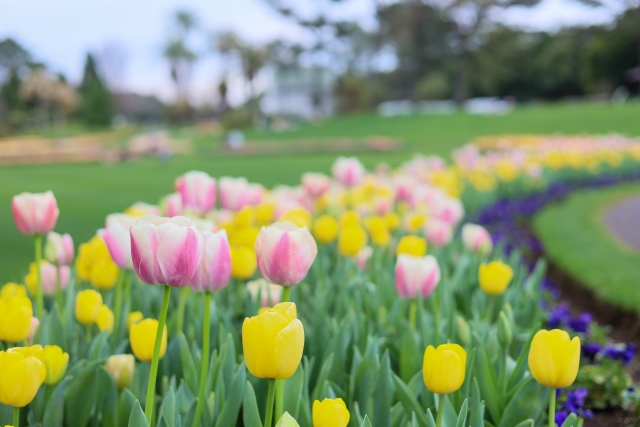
{"type": "Point", "coordinates": [60, 32]}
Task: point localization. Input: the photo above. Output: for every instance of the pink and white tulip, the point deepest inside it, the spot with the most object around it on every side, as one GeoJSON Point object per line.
{"type": "Point", "coordinates": [476, 238]}
{"type": "Point", "coordinates": [416, 276]}
{"type": "Point", "coordinates": [35, 213]}
{"type": "Point", "coordinates": [447, 209]}
{"type": "Point", "coordinates": [362, 259]}
{"type": "Point", "coordinates": [34, 328]}
{"type": "Point", "coordinates": [59, 248]}
{"type": "Point", "coordinates": [197, 190]}
{"type": "Point", "coordinates": [49, 277]}
{"type": "Point", "coordinates": [116, 236]}
{"type": "Point", "coordinates": [214, 269]}
{"type": "Point", "coordinates": [235, 193]}
{"type": "Point", "coordinates": [269, 293]}
{"type": "Point", "coordinates": [173, 205]}
{"type": "Point", "coordinates": [438, 232]}
{"type": "Point", "coordinates": [285, 253]}
{"type": "Point", "coordinates": [315, 184]}
{"type": "Point", "coordinates": [256, 194]}
{"type": "Point", "coordinates": [165, 251]}
{"type": "Point", "coordinates": [348, 171]}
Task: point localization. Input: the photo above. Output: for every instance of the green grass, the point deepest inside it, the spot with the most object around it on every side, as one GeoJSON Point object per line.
{"type": "Point", "coordinates": [88, 192]}
{"type": "Point", "coordinates": [575, 236]}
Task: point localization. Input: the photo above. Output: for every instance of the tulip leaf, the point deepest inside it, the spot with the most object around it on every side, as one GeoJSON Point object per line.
{"type": "Point", "coordinates": [322, 378]}
{"type": "Point", "coordinates": [489, 384]}
{"type": "Point", "coordinates": [462, 415]}
{"type": "Point", "coordinates": [383, 393]}
{"type": "Point", "coordinates": [528, 402]}
{"type": "Point", "coordinates": [168, 408]}
{"type": "Point", "coordinates": [250, 411]}
{"type": "Point", "coordinates": [82, 391]}
{"type": "Point", "coordinates": [188, 417]}
{"type": "Point", "coordinates": [137, 418]}
{"type": "Point", "coordinates": [571, 421]}
{"type": "Point", "coordinates": [409, 401]}
{"type": "Point", "coordinates": [188, 367]}
{"type": "Point", "coordinates": [51, 331]}
{"type": "Point", "coordinates": [526, 423]}
{"type": "Point", "coordinates": [430, 421]}
{"type": "Point", "coordinates": [54, 412]}
{"type": "Point", "coordinates": [293, 392]}
{"type": "Point", "coordinates": [476, 407]}
{"type": "Point", "coordinates": [229, 414]}
{"type": "Point", "coordinates": [366, 422]}
{"type": "Point", "coordinates": [522, 361]}
{"type": "Point", "coordinates": [126, 401]}
{"type": "Point", "coordinates": [163, 422]}
{"type": "Point", "coordinates": [97, 348]}
{"type": "Point", "coordinates": [410, 356]}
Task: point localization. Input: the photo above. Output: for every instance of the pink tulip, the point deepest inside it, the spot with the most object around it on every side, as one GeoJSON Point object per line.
{"type": "Point", "coordinates": [363, 257]}
{"type": "Point", "coordinates": [256, 194]}
{"type": "Point", "coordinates": [116, 236]}
{"type": "Point", "coordinates": [416, 276]}
{"type": "Point", "coordinates": [348, 171]}
{"type": "Point", "coordinates": [198, 191]}
{"type": "Point", "coordinates": [235, 193]}
{"type": "Point", "coordinates": [438, 232]}
{"type": "Point", "coordinates": [476, 238]}
{"type": "Point", "coordinates": [447, 209]}
{"type": "Point", "coordinates": [214, 269]}
{"type": "Point", "coordinates": [383, 205]}
{"type": "Point", "coordinates": [59, 248]}
{"type": "Point", "coordinates": [35, 213]}
{"type": "Point", "coordinates": [173, 205]}
{"type": "Point", "coordinates": [315, 184]}
{"type": "Point", "coordinates": [34, 327]}
{"type": "Point", "coordinates": [165, 251]}
{"type": "Point", "coordinates": [285, 253]}
{"type": "Point", "coordinates": [49, 277]}
{"type": "Point", "coordinates": [269, 293]}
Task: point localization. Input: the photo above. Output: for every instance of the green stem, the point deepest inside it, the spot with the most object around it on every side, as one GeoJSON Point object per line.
{"type": "Point", "coordinates": [129, 285]}
{"type": "Point", "coordinates": [436, 318]}
{"type": "Point", "coordinates": [286, 294]}
{"type": "Point", "coordinates": [59, 289]}
{"type": "Point", "coordinates": [552, 408]}
{"type": "Point", "coordinates": [286, 297]}
{"type": "Point", "coordinates": [205, 358]}
{"type": "Point", "coordinates": [88, 333]}
{"type": "Point", "coordinates": [117, 307]}
{"type": "Point", "coordinates": [413, 311]}
{"type": "Point", "coordinates": [16, 417]}
{"type": "Point", "coordinates": [491, 307]}
{"type": "Point", "coordinates": [39, 297]}
{"type": "Point", "coordinates": [505, 376]}
{"type": "Point", "coordinates": [182, 303]}
{"type": "Point", "coordinates": [270, 395]}
{"type": "Point", "coordinates": [440, 410]}
{"type": "Point", "coordinates": [153, 373]}
{"type": "Point", "coordinates": [239, 297]}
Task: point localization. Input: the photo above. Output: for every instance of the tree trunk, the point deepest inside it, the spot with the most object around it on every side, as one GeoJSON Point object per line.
{"type": "Point", "coordinates": [460, 80]}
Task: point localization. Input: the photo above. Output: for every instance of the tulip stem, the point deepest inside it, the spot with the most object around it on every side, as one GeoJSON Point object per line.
{"type": "Point", "coordinates": [117, 306]}
{"type": "Point", "coordinates": [552, 408]}
{"type": "Point", "coordinates": [440, 410]}
{"type": "Point", "coordinates": [413, 311]}
{"type": "Point", "coordinates": [153, 373]}
{"type": "Point", "coordinates": [182, 303]}
{"type": "Point", "coordinates": [205, 358]}
{"type": "Point", "coordinates": [59, 298]}
{"type": "Point", "coordinates": [270, 397]}
{"type": "Point", "coordinates": [16, 417]}
{"type": "Point", "coordinates": [286, 294]}
{"type": "Point", "coordinates": [490, 308]}
{"type": "Point", "coordinates": [88, 333]}
{"type": "Point", "coordinates": [39, 297]}
{"type": "Point", "coordinates": [286, 297]}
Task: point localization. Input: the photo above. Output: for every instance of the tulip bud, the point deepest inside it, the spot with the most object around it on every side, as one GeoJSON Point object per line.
{"type": "Point", "coordinates": [35, 213]}
{"type": "Point", "coordinates": [56, 362]}
{"type": "Point", "coordinates": [243, 262]}
{"type": "Point", "coordinates": [268, 293]}
{"type": "Point", "coordinates": [198, 191]}
{"type": "Point", "coordinates": [116, 237]}
{"type": "Point", "coordinates": [444, 367]}
{"type": "Point", "coordinates": [325, 229]}
{"type": "Point", "coordinates": [412, 245]}
{"type": "Point", "coordinates": [447, 209]}
{"type": "Point", "coordinates": [554, 358]}
{"type": "Point", "coordinates": [133, 318]}
{"type": "Point", "coordinates": [505, 330]}
{"type": "Point", "coordinates": [315, 184]}
{"type": "Point", "coordinates": [214, 269]}
{"type": "Point", "coordinates": [298, 216]}
{"type": "Point", "coordinates": [437, 232]}
{"type": "Point", "coordinates": [416, 276]}
{"type": "Point", "coordinates": [477, 239]}
{"type": "Point", "coordinates": [264, 213]}
{"type": "Point", "coordinates": [49, 274]}
{"type": "Point", "coordinates": [273, 342]}
{"type": "Point", "coordinates": [349, 218]}
{"type": "Point", "coordinates": [348, 171]}
{"type": "Point", "coordinates": [351, 240]}
{"type": "Point", "coordinates": [464, 332]}
{"type": "Point", "coordinates": [34, 328]}
{"type": "Point", "coordinates": [142, 337]}
{"type": "Point", "coordinates": [12, 290]}
{"type": "Point", "coordinates": [15, 319]}
{"type": "Point", "coordinates": [88, 306]}
{"type": "Point", "coordinates": [330, 413]}
{"type": "Point", "coordinates": [235, 193]}
{"type": "Point", "coordinates": [171, 205]}
{"type": "Point", "coordinates": [59, 249]}
{"type": "Point", "coordinates": [413, 221]}
{"type": "Point", "coordinates": [363, 257]}
{"type": "Point", "coordinates": [494, 277]}
{"type": "Point", "coordinates": [121, 368]}
{"type": "Point", "coordinates": [287, 420]}
{"type": "Point", "coordinates": [105, 319]}
{"type": "Point", "coordinates": [22, 372]}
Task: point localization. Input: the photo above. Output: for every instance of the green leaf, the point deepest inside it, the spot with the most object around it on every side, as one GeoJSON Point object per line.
{"type": "Point", "coordinates": [409, 401]}
{"type": "Point", "coordinates": [188, 366]}
{"type": "Point", "coordinates": [489, 385]}
{"type": "Point", "coordinates": [383, 393]}
{"type": "Point", "coordinates": [322, 377]}
{"type": "Point", "coordinates": [410, 356]}
{"type": "Point", "coordinates": [430, 421]}
{"type": "Point", "coordinates": [570, 421]}
{"type": "Point", "coordinates": [528, 402]}
{"type": "Point", "coordinates": [527, 423]}
{"type": "Point", "coordinates": [250, 412]}
{"type": "Point", "coordinates": [126, 401]}
{"type": "Point", "coordinates": [168, 408]}
{"type": "Point", "coordinates": [97, 348]}
{"type": "Point", "coordinates": [54, 412]}
{"type": "Point", "coordinates": [81, 395]}
{"type": "Point", "coordinates": [51, 331]}
{"type": "Point", "coordinates": [366, 422]}
{"type": "Point", "coordinates": [476, 407]}
{"type": "Point", "coordinates": [137, 418]}
{"type": "Point", "coordinates": [462, 416]}
{"type": "Point", "coordinates": [229, 414]}
{"type": "Point", "coordinates": [293, 392]}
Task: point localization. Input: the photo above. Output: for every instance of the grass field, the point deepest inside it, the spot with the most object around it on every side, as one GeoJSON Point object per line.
{"type": "Point", "coordinates": [87, 192]}
{"type": "Point", "coordinates": [575, 237]}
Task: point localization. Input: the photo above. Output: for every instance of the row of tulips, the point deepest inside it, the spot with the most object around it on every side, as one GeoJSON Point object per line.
{"type": "Point", "coordinates": [359, 306]}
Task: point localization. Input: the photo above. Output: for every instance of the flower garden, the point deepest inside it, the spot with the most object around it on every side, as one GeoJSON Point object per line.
{"type": "Point", "coordinates": [413, 296]}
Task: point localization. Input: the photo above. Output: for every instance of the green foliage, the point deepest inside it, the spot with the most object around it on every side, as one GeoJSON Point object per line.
{"type": "Point", "coordinates": [607, 383]}
{"type": "Point", "coordinates": [96, 107]}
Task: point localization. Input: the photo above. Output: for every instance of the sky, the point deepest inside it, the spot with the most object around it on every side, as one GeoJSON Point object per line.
{"type": "Point", "coordinates": [60, 32]}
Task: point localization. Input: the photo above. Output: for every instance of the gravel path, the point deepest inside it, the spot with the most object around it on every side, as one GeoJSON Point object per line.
{"type": "Point", "coordinates": [623, 220]}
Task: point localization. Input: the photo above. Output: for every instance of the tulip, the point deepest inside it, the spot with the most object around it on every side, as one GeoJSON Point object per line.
{"type": "Point", "coordinates": [264, 213]}
{"type": "Point", "coordinates": [476, 238]}
{"type": "Point", "coordinates": [325, 229]}
{"type": "Point", "coordinates": [443, 371]}
{"type": "Point", "coordinates": [165, 251]}
{"type": "Point", "coordinates": [413, 221]}
{"type": "Point", "coordinates": [416, 276]}
{"type": "Point", "coordinates": [554, 360]}
{"type": "Point", "coordinates": [88, 306]}
{"type": "Point", "coordinates": [349, 218]}
{"type": "Point", "coordinates": [91, 252]}
{"type": "Point", "coordinates": [243, 262]}
{"type": "Point", "coordinates": [235, 193]}
{"type": "Point", "coordinates": [438, 232]}
{"type": "Point", "coordinates": [117, 238]}
{"type": "Point", "coordinates": [12, 290]}
{"type": "Point", "coordinates": [244, 236]}
{"type": "Point", "coordinates": [348, 171]}
{"type": "Point", "coordinates": [140, 209]}
{"type": "Point", "coordinates": [298, 216]}
{"type": "Point", "coordinates": [285, 253]}
{"type": "Point", "coordinates": [214, 269]}
{"type": "Point", "coordinates": [105, 319]}
{"type": "Point", "coordinates": [378, 230]}
{"type": "Point", "coordinates": [133, 318]}
{"type": "Point", "coordinates": [49, 274]}
{"type": "Point", "coordinates": [494, 277]}
{"type": "Point", "coordinates": [172, 205]}
{"type": "Point", "coordinates": [198, 191]}
{"type": "Point", "coordinates": [447, 209]}
{"type": "Point", "coordinates": [268, 293]}
{"type": "Point", "coordinates": [363, 257]}
{"type": "Point", "coordinates": [412, 245]}
{"type": "Point", "coordinates": [315, 184]}
{"type": "Point", "coordinates": [15, 319]}
{"type": "Point", "coordinates": [34, 328]}
{"type": "Point", "coordinates": [35, 213]}
{"type": "Point", "coordinates": [59, 249]}
{"type": "Point", "coordinates": [351, 240]}
{"type": "Point", "coordinates": [22, 372]}
{"type": "Point", "coordinates": [393, 220]}
{"type": "Point", "coordinates": [142, 336]}
{"type": "Point", "coordinates": [56, 362]}
{"type": "Point", "coordinates": [121, 367]}
{"type": "Point", "coordinates": [287, 420]}
{"type": "Point", "coordinates": [330, 413]}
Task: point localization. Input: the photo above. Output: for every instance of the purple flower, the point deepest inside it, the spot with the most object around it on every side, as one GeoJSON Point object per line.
{"type": "Point", "coordinates": [548, 286]}
{"type": "Point", "coordinates": [618, 352]}
{"type": "Point", "coordinates": [561, 416]}
{"type": "Point", "coordinates": [575, 400]}
{"type": "Point", "coordinates": [580, 323]}
{"type": "Point", "coordinates": [559, 315]}
{"type": "Point", "coordinates": [591, 349]}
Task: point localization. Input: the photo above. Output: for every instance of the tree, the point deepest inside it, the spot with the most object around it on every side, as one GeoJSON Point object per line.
{"type": "Point", "coordinates": [179, 55]}
{"type": "Point", "coordinates": [96, 108]}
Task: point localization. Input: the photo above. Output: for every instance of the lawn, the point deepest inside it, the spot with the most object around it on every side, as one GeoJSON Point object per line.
{"type": "Point", "coordinates": [87, 192]}
{"type": "Point", "coordinates": [575, 236]}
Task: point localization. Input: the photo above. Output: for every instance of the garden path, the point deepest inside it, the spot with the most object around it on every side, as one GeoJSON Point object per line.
{"type": "Point", "coordinates": [623, 220]}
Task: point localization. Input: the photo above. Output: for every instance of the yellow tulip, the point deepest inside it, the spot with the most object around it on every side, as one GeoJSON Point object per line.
{"type": "Point", "coordinates": [245, 217]}
{"type": "Point", "coordinates": [393, 220]}
{"type": "Point", "coordinates": [378, 230]}
{"type": "Point", "coordinates": [330, 413]}
{"type": "Point", "coordinates": [105, 319]}
{"type": "Point", "coordinates": [443, 368]}
{"type": "Point", "coordinates": [412, 245]}
{"type": "Point", "coordinates": [142, 337]}
{"type": "Point", "coordinates": [88, 306]}
{"type": "Point", "coordinates": [133, 318]}
{"type": "Point", "coordinates": [349, 218]}
{"type": "Point", "coordinates": [243, 262]}
{"type": "Point", "coordinates": [56, 362]}
{"type": "Point", "coordinates": [554, 358]}
{"type": "Point", "coordinates": [351, 240]}
{"type": "Point", "coordinates": [264, 213]}
{"type": "Point", "coordinates": [298, 215]}
{"type": "Point", "coordinates": [12, 290]}
{"type": "Point", "coordinates": [413, 221]}
{"type": "Point", "coordinates": [89, 254]}
{"type": "Point", "coordinates": [104, 274]}
{"type": "Point", "coordinates": [121, 367]}
{"type": "Point", "coordinates": [244, 236]}
{"type": "Point", "coordinates": [21, 375]}
{"type": "Point", "coordinates": [494, 277]}
{"type": "Point", "coordinates": [15, 319]}
{"type": "Point", "coordinates": [325, 229]}
{"type": "Point", "coordinates": [273, 342]}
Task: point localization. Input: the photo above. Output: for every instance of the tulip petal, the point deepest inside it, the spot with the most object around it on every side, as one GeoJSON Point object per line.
{"type": "Point", "coordinates": [288, 348]}
{"type": "Point", "coordinates": [179, 253]}
{"type": "Point", "coordinates": [144, 245]}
